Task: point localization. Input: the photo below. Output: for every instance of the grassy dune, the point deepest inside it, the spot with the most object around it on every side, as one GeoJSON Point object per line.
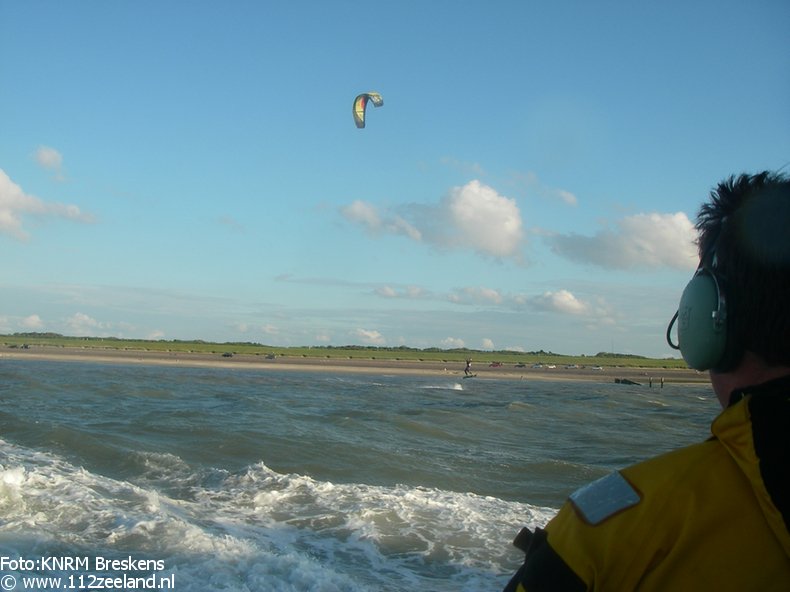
{"type": "Point", "coordinates": [18, 340]}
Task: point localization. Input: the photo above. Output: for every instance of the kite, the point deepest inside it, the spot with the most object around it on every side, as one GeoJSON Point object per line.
{"type": "Point", "coordinates": [361, 103]}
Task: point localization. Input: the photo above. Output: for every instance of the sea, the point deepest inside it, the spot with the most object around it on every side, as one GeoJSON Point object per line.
{"type": "Point", "coordinates": [159, 477]}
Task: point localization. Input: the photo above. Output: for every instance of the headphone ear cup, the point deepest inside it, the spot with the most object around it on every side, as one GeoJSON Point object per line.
{"type": "Point", "coordinates": [701, 337]}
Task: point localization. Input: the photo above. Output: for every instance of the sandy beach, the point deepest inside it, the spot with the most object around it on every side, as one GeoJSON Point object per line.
{"type": "Point", "coordinates": [644, 376]}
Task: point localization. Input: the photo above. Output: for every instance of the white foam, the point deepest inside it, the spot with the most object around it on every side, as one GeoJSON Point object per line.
{"type": "Point", "coordinates": [454, 386]}
{"type": "Point", "coordinates": [262, 530]}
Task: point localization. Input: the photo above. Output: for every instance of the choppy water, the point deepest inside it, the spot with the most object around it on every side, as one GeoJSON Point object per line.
{"type": "Point", "coordinates": [260, 480]}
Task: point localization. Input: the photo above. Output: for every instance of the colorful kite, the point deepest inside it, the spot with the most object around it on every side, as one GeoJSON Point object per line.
{"type": "Point", "coordinates": [361, 103]}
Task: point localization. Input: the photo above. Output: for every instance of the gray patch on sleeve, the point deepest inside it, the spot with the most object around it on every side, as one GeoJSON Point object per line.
{"type": "Point", "coordinates": [605, 497]}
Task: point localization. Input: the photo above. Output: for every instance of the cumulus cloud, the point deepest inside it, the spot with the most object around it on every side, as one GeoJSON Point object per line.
{"type": "Point", "coordinates": [32, 322]}
{"type": "Point", "coordinates": [15, 203]}
{"type": "Point", "coordinates": [643, 240]}
{"type": "Point", "coordinates": [82, 324]}
{"type": "Point", "coordinates": [363, 213]}
{"type": "Point", "coordinates": [473, 216]}
{"type": "Point", "coordinates": [475, 295]}
{"type": "Point", "coordinates": [270, 329]}
{"type": "Point", "coordinates": [387, 292]}
{"type": "Point", "coordinates": [566, 197]}
{"type": "Point", "coordinates": [453, 343]}
{"type": "Point", "coordinates": [561, 301]}
{"type": "Point", "coordinates": [398, 225]}
{"type": "Point", "coordinates": [408, 293]}
{"type": "Point", "coordinates": [49, 158]}
{"type": "Point", "coordinates": [482, 219]}
{"type": "Point", "coordinates": [370, 337]}
{"type": "Point", "coordinates": [488, 343]}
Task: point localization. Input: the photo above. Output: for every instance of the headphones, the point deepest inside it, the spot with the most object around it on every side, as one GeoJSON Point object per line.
{"type": "Point", "coordinates": [704, 333]}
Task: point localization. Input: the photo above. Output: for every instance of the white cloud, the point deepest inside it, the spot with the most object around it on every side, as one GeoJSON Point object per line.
{"type": "Point", "coordinates": [366, 214]}
{"type": "Point", "coordinates": [270, 330]}
{"type": "Point", "coordinates": [370, 337]}
{"type": "Point", "coordinates": [387, 292]}
{"type": "Point", "coordinates": [362, 213]}
{"type": "Point", "coordinates": [49, 158]}
{"type": "Point", "coordinates": [566, 197]}
{"type": "Point", "coordinates": [488, 343]}
{"type": "Point", "coordinates": [558, 301]}
{"type": "Point", "coordinates": [475, 295]}
{"type": "Point", "coordinates": [408, 293]}
{"type": "Point", "coordinates": [416, 292]}
{"type": "Point", "coordinates": [484, 220]}
{"type": "Point", "coordinates": [561, 301]}
{"type": "Point", "coordinates": [14, 203]}
{"type": "Point", "coordinates": [473, 217]}
{"type": "Point", "coordinates": [82, 324]}
{"type": "Point", "coordinates": [643, 240]}
{"type": "Point", "coordinates": [398, 225]}
{"type": "Point", "coordinates": [32, 322]}
{"type": "Point", "coordinates": [453, 343]}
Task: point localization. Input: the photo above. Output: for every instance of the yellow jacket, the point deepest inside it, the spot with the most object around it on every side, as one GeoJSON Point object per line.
{"type": "Point", "coordinates": [712, 516]}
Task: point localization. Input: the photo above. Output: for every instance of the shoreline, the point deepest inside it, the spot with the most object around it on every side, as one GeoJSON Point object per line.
{"type": "Point", "coordinates": [643, 376]}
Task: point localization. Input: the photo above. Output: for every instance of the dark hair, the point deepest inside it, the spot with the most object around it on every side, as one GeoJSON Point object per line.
{"type": "Point", "coordinates": [744, 233]}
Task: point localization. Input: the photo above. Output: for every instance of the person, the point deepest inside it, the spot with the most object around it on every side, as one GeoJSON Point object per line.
{"type": "Point", "coordinates": [468, 369]}
{"type": "Point", "coordinates": [714, 515]}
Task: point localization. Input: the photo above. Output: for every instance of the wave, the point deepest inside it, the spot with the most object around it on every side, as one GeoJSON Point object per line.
{"type": "Point", "coordinates": [452, 386]}
{"type": "Point", "coordinates": [259, 529]}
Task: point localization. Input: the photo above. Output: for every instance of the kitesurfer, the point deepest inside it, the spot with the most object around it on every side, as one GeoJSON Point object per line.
{"type": "Point", "coordinates": [468, 369]}
{"type": "Point", "coordinates": [714, 515]}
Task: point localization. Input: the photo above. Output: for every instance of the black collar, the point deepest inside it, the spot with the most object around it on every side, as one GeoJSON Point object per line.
{"type": "Point", "coordinates": [776, 386]}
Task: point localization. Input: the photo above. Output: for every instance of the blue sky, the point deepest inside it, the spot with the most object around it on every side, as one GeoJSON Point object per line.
{"type": "Point", "coordinates": [191, 170]}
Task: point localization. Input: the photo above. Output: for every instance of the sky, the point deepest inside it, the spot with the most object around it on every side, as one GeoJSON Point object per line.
{"type": "Point", "coordinates": [191, 169]}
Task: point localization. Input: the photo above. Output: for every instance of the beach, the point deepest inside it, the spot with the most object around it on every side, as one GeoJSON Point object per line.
{"type": "Point", "coordinates": [381, 366]}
